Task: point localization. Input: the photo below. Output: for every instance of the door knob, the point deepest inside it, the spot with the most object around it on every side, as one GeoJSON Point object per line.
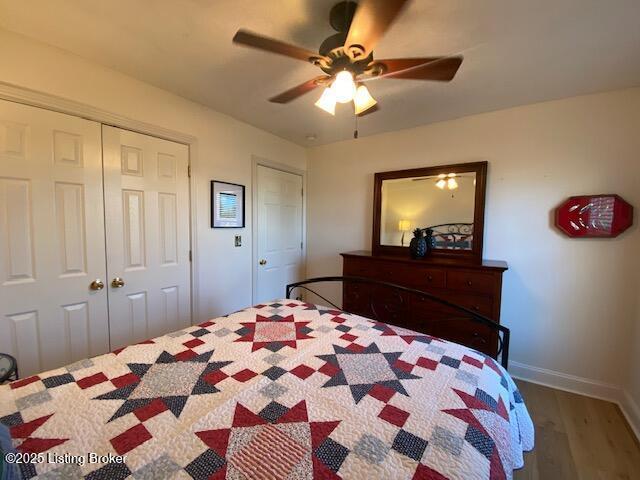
{"type": "Point", "coordinates": [117, 282]}
{"type": "Point", "coordinates": [263, 262]}
{"type": "Point", "coordinates": [96, 285]}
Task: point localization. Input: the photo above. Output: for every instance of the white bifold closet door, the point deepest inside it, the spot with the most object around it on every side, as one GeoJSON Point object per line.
{"type": "Point", "coordinates": [146, 191]}
{"type": "Point", "coordinates": [94, 237]}
{"type": "Point", "coordinates": [52, 243]}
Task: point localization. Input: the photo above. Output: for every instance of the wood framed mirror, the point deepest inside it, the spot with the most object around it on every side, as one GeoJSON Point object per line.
{"type": "Point", "coordinates": [448, 199]}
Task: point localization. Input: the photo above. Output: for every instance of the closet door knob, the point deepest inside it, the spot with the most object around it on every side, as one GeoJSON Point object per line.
{"type": "Point", "coordinates": [263, 262]}
{"type": "Point", "coordinates": [117, 282]}
{"type": "Point", "coordinates": [97, 284]}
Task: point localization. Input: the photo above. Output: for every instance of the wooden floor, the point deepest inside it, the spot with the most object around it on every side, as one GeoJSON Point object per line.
{"type": "Point", "coordinates": [577, 438]}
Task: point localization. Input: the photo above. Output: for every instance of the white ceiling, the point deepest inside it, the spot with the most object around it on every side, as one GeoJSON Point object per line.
{"type": "Point", "coordinates": [516, 52]}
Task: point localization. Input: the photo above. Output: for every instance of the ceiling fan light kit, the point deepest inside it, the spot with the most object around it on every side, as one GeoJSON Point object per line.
{"type": "Point", "coordinates": [344, 90]}
{"type": "Point", "coordinates": [343, 87]}
{"type": "Point", "coordinates": [363, 100]}
{"type": "Point", "coordinates": [327, 101]}
{"type": "Point", "coordinates": [346, 57]}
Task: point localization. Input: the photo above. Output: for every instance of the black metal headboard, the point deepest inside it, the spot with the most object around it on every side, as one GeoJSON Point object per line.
{"type": "Point", "coordinates": [454, 236]}
{"type": "Point", "coordinates": [503, 332]}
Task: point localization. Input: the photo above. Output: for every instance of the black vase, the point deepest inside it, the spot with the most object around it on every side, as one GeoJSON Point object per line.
{"type": "Point", "coordinates": [418, 246]}
{"type": "Point", "coordinates": [431, 241]}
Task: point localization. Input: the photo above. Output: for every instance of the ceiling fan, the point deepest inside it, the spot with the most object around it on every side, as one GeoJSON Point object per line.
{"type": "Point", "coordinates": [347, 60]}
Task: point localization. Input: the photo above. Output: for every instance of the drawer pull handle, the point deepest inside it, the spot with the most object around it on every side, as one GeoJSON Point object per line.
{"type": "Point", "coordinates": [476, 336]}
{"type": "Point", "coordinates": [469, 282]}
{"type": "Point", "coordinates": [429, 277]}
{"type": "Point", "coordinates": [476, 308]}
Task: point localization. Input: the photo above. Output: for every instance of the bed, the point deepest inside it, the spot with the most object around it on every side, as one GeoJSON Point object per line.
{"type": "Point", "coordinates": [286, 389]}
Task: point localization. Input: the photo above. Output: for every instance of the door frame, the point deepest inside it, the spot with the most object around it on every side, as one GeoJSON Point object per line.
{"type": "Point", "coordinates": [34, 98]}
{"type": "Point", "coordinates": [283, 167]}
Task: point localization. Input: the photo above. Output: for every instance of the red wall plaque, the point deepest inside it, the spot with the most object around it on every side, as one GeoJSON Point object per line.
{"type": "Point", "coordinates": [594, 216]}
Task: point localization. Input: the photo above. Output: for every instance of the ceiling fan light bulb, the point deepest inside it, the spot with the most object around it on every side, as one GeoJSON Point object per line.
{"type": "Point", "coordinates": [327, 101]}
{"type": "Point", "coordinates": [452, 184]}
{"type": "Point", "coordinates": [344, 89]}
{"type": "Point", "coordinates": [363, 100]}
{"type": "Point", "coordinates": [441, 184]}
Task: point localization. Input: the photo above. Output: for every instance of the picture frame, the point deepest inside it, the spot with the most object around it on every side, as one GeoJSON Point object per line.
{"type": "Point", "coordinates": [227, 205]}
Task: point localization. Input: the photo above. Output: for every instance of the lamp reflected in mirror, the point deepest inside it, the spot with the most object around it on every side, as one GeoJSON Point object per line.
{"type": "Point", "coordinates": [403, 226]}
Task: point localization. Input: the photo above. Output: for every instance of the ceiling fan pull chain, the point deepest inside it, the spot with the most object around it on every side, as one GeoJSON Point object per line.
{"type": "Point", "coordinates": [355, 132]}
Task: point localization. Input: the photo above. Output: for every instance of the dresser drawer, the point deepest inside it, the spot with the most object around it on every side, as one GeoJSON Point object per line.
{"type": "Point", "coordinates": [471, 281]}
{"type": "Point", "coordinates": [423, 309]}
{"type": "Point", "coordinates": [356, 298]}
{"type": "Point", "coordinates": [356, 268]}
{"type": "Point", "coordinates": [425, 278]}
{"type": "Point", "coordinates": [476, 303]}
{"type": "Point", "coordinates": [389, 306]}
{"type": "Point", "coordinates": [393, 272]}
{"type": "Point", "coordinates": [465, 332]}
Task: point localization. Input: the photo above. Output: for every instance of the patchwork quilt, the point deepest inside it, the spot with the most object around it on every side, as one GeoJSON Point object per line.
{"type": "Point", "coordinates": [286, 390]}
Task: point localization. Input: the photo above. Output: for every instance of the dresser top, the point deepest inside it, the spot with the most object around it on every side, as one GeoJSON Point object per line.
{"type": "Point", "coordinates": [486, 264]}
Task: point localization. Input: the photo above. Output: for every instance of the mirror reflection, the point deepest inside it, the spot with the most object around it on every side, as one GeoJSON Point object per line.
{"type": "Point", "coordinates": [443, 203]}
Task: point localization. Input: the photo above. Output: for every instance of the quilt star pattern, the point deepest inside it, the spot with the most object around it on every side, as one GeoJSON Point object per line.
{"type": "Point", "coordinates": [285, 390]}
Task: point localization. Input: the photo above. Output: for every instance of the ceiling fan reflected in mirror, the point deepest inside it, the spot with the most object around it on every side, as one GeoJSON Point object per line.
{"type": "Point", "coordinates": [346, 57]}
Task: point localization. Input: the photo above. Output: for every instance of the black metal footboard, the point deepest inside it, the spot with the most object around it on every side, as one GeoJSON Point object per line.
{"type": "Point", "coordinates": [502, 332]}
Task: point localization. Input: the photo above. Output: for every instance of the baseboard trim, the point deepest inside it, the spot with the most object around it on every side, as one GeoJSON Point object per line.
{"type": "Point", "coordinates": [566, 382]}
{"type": "Point", "coordinates": [581, 386]}
{"type": "Point", "coordinates": [631, 410]}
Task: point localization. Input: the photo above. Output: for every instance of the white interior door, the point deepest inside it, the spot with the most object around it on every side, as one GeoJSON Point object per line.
{"type": "Point", "coordinates": [280, 259]}
{"type": "Point", "coordinates": [147, 230]}
{"type": "Point", "coordinates": [51, 238]}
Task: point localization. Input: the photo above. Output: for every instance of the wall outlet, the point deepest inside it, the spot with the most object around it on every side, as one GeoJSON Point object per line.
{"type": "Point", "coordinates": [238, 241]}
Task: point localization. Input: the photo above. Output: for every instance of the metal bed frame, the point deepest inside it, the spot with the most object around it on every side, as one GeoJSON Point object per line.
{"type": "Point", "coordinates": [503, 340]}
{"type": "Point", "coordinates": [12, 373]}
{"type": "Point", "coordinates": [453, 234]}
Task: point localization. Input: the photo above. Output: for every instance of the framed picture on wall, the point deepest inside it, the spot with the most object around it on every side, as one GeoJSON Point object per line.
{"type": "Point", "coordinates": [227, 205]}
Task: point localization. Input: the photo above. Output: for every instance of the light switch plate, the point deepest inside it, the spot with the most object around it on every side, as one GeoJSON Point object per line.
{"type": "Point", "coordinates": [238, 241]}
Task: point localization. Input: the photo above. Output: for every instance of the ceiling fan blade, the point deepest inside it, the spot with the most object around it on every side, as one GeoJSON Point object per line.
{"type": "Point", "coordinates": [253, 40]}
{"type": "Point", "coordinates": [297, 91]}
{"type": "Point", "coordinates": [441, 69]}
{"type": "Point", "coordinates": [371, 20]}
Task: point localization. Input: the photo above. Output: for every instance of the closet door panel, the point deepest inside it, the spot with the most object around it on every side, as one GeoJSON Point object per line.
{"type": "Point", "coordinates": [52, 240]}
{"type": "Point", "coordinates": [147, 218]}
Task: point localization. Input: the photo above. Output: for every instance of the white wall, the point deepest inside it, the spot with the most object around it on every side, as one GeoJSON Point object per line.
{"type": "Point", "coordinates": [632, 387]}
{"type": "Point", "coordinates": [224, 151]}
{"type": "Point", "coordinates": [570, 303]}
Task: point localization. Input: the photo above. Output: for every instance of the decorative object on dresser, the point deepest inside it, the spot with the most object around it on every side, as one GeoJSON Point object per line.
{"type": "Point", "coordinates": [476, 286]}
{"type": "Point", "coordinates": [594, 216]}
{"type": "Point", "coordinates": [447, 199]}
{"type": "Point", "coordinates": [419, 246]}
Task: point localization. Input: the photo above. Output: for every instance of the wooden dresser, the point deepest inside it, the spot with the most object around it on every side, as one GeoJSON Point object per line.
{"type": "Point", "coordinates": [475, 286]}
